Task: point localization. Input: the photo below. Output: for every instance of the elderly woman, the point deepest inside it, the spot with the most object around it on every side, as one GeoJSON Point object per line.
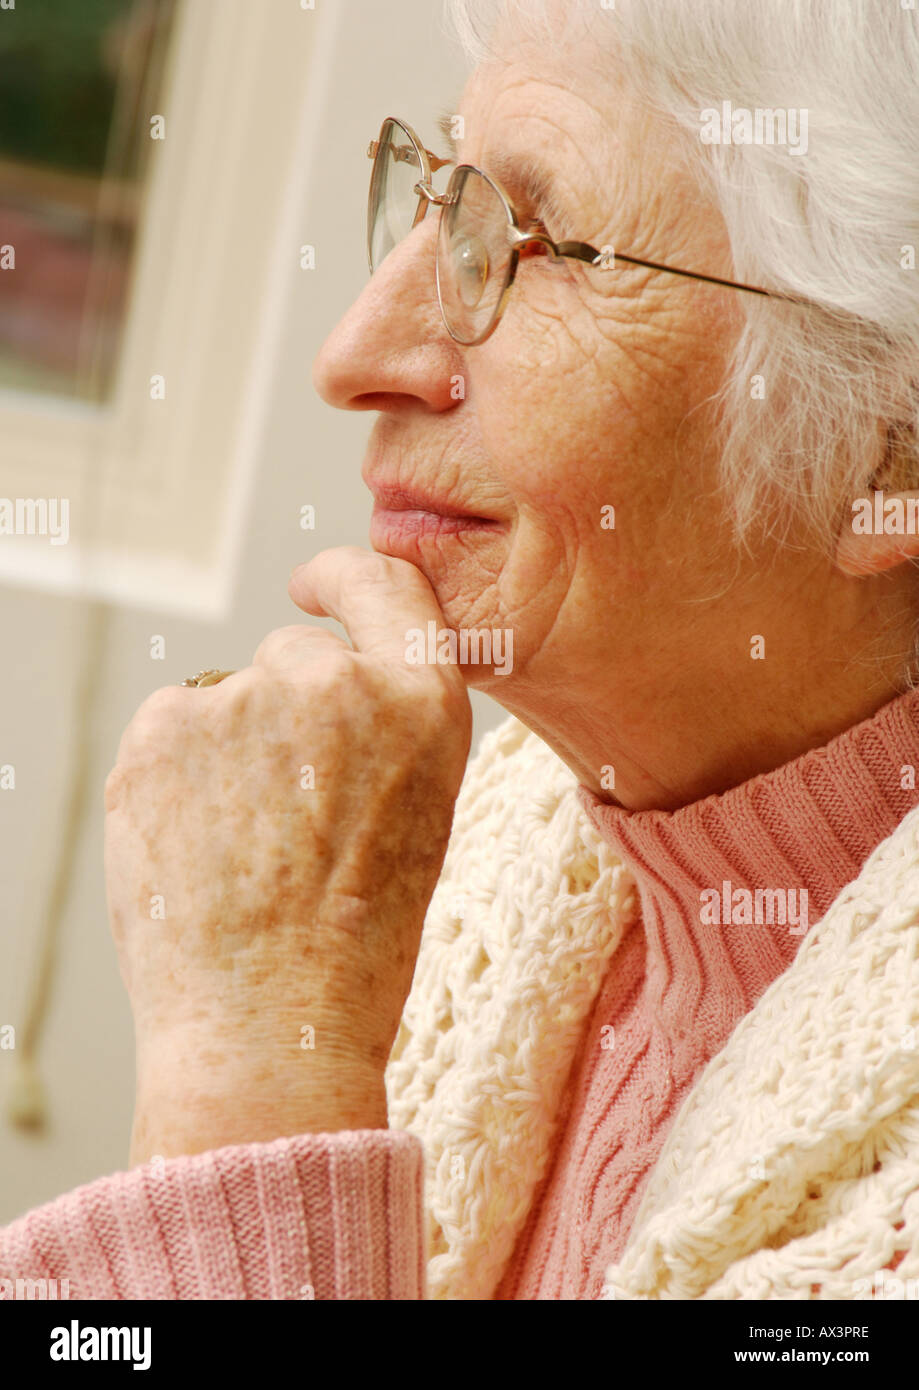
{"type": "Point", "coordinates": [628, 1007]}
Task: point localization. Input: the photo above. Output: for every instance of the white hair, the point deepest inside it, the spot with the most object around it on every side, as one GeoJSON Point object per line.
{"type": "Point", "coordinates": [837, 225]}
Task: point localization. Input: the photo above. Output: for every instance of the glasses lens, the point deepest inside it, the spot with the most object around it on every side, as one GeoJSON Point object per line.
{"type": "Point", "coordinates": [393, 202]}
{"type": "Point", "coordinates": [473, 256]}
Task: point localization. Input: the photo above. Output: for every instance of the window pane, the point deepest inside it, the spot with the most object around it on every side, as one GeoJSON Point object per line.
{"type": "Point", "coordinates": [80, 80]}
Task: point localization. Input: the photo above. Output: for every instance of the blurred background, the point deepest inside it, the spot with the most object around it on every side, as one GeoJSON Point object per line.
{"type": "Point", "coordinates": [183, 188]}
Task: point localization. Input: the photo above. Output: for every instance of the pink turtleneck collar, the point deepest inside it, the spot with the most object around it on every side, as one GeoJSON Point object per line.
{"type": "Point", "coordinates": [784, 844]}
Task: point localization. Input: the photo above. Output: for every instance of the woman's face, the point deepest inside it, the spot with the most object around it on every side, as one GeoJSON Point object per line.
{"type": "Point", "coordinates": [592, 393]}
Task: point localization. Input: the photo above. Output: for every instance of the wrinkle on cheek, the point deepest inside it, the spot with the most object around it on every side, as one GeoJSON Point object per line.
{"type": "Point", "coordinates": [620, 349]}
{"type": "Point", "coordinates": [578, 332]}
{"type": "Point", "coordinates": [638, 364]}
{"type": "Point", "coordinates": [520, 586]}
{"type": "Point", "coordinates": [536, 581]}
{"type": "Point", "coordinates": [536, 345]}
{"type": "Point", "coordinates": [663, 334]}
{"type": "Point", "coordinates": [555, 325]}
{"type": "Point", "coordinates": [467, 591]}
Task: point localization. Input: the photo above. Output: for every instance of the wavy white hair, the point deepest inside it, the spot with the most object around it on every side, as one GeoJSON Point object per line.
{"type": "Point", "coordinates": [833, 225]}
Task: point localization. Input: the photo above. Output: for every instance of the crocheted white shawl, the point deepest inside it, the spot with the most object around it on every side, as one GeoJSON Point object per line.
{"type": "Point", "coordinates": [791, 1170]}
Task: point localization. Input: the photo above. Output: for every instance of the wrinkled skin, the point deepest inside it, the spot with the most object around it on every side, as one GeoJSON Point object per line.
{"type": "Point", "coordinates": [631, 647]}
{"type": "Point", "coordinates": [250, 899]}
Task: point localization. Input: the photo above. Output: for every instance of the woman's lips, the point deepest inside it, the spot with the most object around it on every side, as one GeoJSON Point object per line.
{"type": "Point", "coordinates": [399, 512]}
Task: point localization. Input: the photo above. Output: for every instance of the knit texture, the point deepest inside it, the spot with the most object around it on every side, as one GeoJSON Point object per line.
{"type": "Point", "coordinates": [793, 1169]}
{"type": "Point", "coordinates": [766, 859]}
{"type": "Point", "coordinates": [530, 907]}
{"type": "Point", "coordinates": [789, 1170]}
{"type": "Point", "coordinates": [316, 1216]}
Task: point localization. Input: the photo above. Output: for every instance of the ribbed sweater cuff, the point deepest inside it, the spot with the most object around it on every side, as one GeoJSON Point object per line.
{"type": "Point", "coordinates": [325, 1216]}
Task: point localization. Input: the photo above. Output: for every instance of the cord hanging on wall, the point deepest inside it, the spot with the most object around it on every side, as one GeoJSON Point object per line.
{"type": "Point", "coordinates": [27, 1101]}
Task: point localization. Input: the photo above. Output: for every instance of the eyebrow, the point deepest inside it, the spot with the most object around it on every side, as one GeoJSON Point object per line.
{"type": "Point", "coordinates": [524, 176]}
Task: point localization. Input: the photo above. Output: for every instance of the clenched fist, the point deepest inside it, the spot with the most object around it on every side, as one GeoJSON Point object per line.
{"type": "Point", "coordinates": [271, 847]}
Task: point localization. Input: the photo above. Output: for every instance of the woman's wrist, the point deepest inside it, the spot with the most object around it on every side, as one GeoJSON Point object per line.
{"type": "Point", "coordinates": [201, 1104]}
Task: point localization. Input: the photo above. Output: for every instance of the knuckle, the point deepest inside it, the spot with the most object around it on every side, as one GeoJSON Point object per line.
{"type": "Point", "coordinates": [274, 643]}
{"type": "Point", "coordinates": [163, 704]}
{"type": "Point", "coordinates": [159, 712]}
{"type": "Point", "coordinates": [338, 674]}
{"type": "Point", "coordinates": [276, 648]}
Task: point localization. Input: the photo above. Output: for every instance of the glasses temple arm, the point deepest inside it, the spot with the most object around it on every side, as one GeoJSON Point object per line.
{"type": "Point", "coordinates": [581, 251]}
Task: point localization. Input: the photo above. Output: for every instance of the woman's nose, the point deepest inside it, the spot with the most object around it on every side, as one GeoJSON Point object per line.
{"type": "Point", "coordinates": [392, 345]}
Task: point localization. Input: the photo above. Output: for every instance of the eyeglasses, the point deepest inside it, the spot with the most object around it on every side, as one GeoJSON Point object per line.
{"type": "Point", "coordinates": [480, 242]}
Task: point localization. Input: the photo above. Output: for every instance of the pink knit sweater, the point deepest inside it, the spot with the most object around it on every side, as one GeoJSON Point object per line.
{"type": "Point", "coordinates": [341, 1216]}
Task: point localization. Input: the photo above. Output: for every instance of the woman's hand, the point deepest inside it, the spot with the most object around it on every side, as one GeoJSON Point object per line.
{"type": "Point", "coordinates": [271, 847]}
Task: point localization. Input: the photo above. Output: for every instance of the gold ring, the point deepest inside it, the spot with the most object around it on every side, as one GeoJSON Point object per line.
{"type": "Point", "coordinates": [210, 677]}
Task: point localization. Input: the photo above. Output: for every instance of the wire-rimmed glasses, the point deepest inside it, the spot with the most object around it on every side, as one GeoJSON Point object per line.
{"type": "Point", "coordinates": [480, 241]}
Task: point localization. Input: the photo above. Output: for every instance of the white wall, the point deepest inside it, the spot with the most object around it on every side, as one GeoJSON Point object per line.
{"type": "Point", "coordinates": [381, 59]}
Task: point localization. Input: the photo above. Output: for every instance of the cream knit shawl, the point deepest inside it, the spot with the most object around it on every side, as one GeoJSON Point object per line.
{"type": "Point", "coordinates": [792, 1168]}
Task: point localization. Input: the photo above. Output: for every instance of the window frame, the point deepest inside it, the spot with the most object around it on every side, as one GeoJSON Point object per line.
{"type": "Point", "coordinates": [158, 489]}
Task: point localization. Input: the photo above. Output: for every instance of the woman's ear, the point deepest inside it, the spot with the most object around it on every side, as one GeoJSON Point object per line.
{"type": "Point", "coordinates": [883, 531]}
